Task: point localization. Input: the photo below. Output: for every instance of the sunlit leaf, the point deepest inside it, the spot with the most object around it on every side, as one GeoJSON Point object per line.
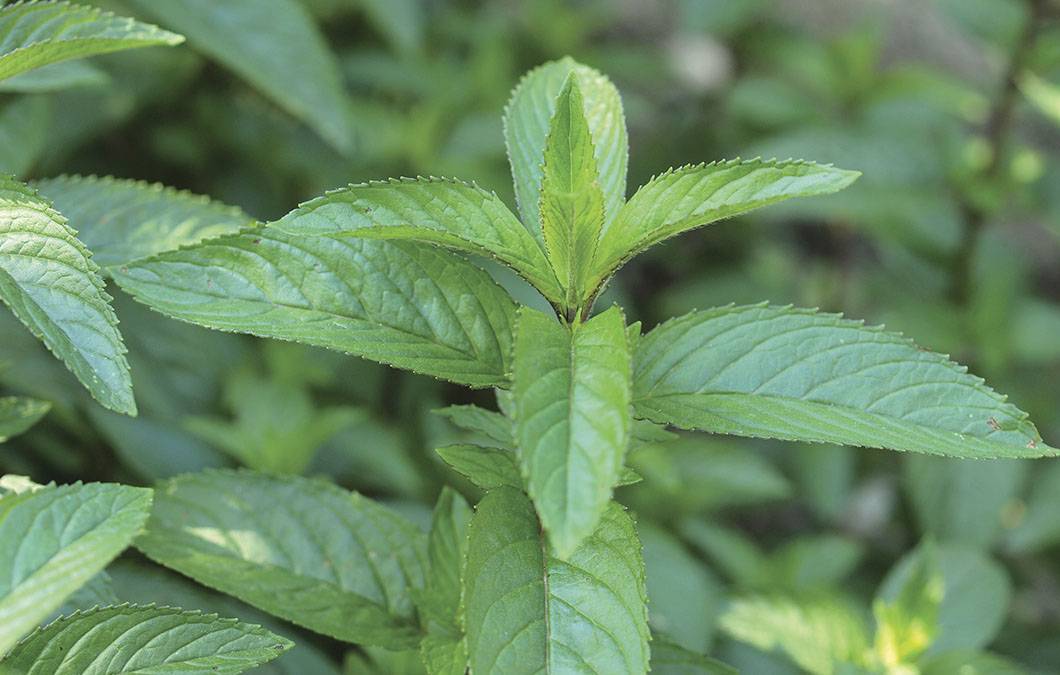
{"type": "Point", "coordinates": [572, 418]}
{"type": "Point", "coordinates": [908, 621]}
{"type": "Point", "coordinates": [49, 280]}
{"type": "Point", "coordinates": [35, 34]}
{"type": "Point", "coordinates": [693, 196]}
{"type": "Point", "coordinates": [122, 220]}
{"type": "Point", "coordinates": [135, 639]}
{"type": "Point", "coordinates": [529, 612]}
{"type": "Point", "coordinates": [572, 204]}
{"type": "Point", "coordinates": [795, 374]}
{"type": "Point", "coordinates": [401, 303]}
{"type": "Point", "coordinates": [818, 632]}
{"type": "Point", "coordinates": [526, 124]}
{"type": "Point", "coordinates": [457, 215]}
{"type": "Point", "coordinates": [259, 538]}
{"type": "Point", "coordinates": [56, 539]}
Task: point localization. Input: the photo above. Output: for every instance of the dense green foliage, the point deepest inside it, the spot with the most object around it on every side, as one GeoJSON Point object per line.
{"type": "Point", "coordinates": [492, 424]}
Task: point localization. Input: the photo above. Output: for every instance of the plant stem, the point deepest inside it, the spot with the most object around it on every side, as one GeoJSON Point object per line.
{"type": "Point", "coordinates": [997, 131]}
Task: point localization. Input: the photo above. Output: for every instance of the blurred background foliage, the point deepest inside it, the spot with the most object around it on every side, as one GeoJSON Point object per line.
{"type": "Point", "coordinates": [951, 108]}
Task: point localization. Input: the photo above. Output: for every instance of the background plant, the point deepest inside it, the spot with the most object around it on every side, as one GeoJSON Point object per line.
{"type": "Point", "coordinates": [891, 248]}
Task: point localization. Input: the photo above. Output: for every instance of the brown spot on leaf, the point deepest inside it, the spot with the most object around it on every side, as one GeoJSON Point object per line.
{"type": "Point", "coordinates": [993, 424]}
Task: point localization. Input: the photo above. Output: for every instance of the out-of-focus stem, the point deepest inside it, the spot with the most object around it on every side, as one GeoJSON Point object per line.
{"type": "Point", "coordinates": [997, 132]}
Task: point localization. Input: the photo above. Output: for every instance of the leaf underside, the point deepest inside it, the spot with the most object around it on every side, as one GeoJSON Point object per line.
{"type": "Point", "coordinates": [401, 303]}
{"type": "Point", "coordinates": [35, 34]}
{"type": "Point", "coordinates": [795, 374]}
{"type": "Point", "coordinates": [56, 539]}
{"type": "Point", "coordinates": [144, 639]}
{"type": "Point", "coordinates": [528, 612]}
{"type": "Point", "coordinates": [51, 283]}
{"type": "Point", "coordinates": [304, 550]}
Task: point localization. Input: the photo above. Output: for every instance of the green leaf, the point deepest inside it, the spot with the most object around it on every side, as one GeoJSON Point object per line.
{"type": "Point", "coordinates": [401, 22]}
{"type": "Point", "coordinates": [687, 610]}
{"type": "Point", "coordinates": [647, 433]}
{"type": "Point", "coordinates": [401, 303]}
{"type": "Point", "coordinates": [814, 562]}
{"type": "Point", "coordinates": [277, 427]}
{"type": "Point", "coordinates": [487, 468]}
{"type": "Point", "coordinates": [908, 622]}
{"type": "Point", "coordinates": [142, 582]}
{"type": "Point", "coordinates": [969, 663]}
{"type": "Point", "coordinates": [696, 195]}
{"type": "Point", "coordinates": [628, 477]}
{"type": "Point", "coordinates": [444, 648]}
{"type": "Point", "coordinates": [13, 484]}
{"type": "Point", "coordinates": [670, 659]}
{"type": "Point", "coordinates": [122, 220]}
{"type": "Point", "coordinates": [572, 418]}
{"type": "Point", "coordinates": [34, 34]}
{"type": "Point", "coordinates": [492, 425]}
{"type": "Point", "coordinates": [572, 204]}
{"type": "Point", "coordinates": [825, 475]}
{"type": "Point", "coordinates": [1038, 526]}
{"type": "Point", "coordinates": [152, 449]}
{"type": "Point", "coordinates": [795, 374]}
{"type": "Point", "coordinates": [304, 550]}
{"type": "Point", "coordinates": [977, 594]}
{"type": "Point", "coordinates": [98, 592]}
{"type": "Point", "coordinates": [526, 126]}
{"type": "Point", "coordinates": [18, 414]}
{"type": "Point", "coordinates": [275, 46]}
{"type": "Point", "coordinates": [729, 551]}
{"type": "Point", "coordinates": [25, 127]}
{"type": "Point", "coordinates": [56, 77]}
{"type": "Point", "coordinates": [59, 537]}
{"type": "Point", "coordinates": [529, 612]}
{"type": "Point", "coordinates": [446, 548]}
{"type": "Point", "coordinates": [442, 211]}
{"type": "Point", "coordinates": [962, 502]}
{"type": "Point", "coordinates": [443, 655]}
{"type": "Point", "coordinates": [49, 280]}
{"type": "Point", "coordinates": [379, 661]}
{"type": "Point", "coordinates": [818, 632]}
{"type": "Point", "coordinates": [698, 473]}
{"type": "Point", "coordinates": [1043, 94]}
{"type": "Point", "coordinates": [145, 639]}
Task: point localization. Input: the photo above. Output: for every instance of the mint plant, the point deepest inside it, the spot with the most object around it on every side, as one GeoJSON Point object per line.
{"type": "Point", "coordinates": [545, 573]}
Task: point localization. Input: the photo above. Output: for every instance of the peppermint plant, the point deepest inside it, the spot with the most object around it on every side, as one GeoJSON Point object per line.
{"type": "Point", "coordinates": [545, 573]}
